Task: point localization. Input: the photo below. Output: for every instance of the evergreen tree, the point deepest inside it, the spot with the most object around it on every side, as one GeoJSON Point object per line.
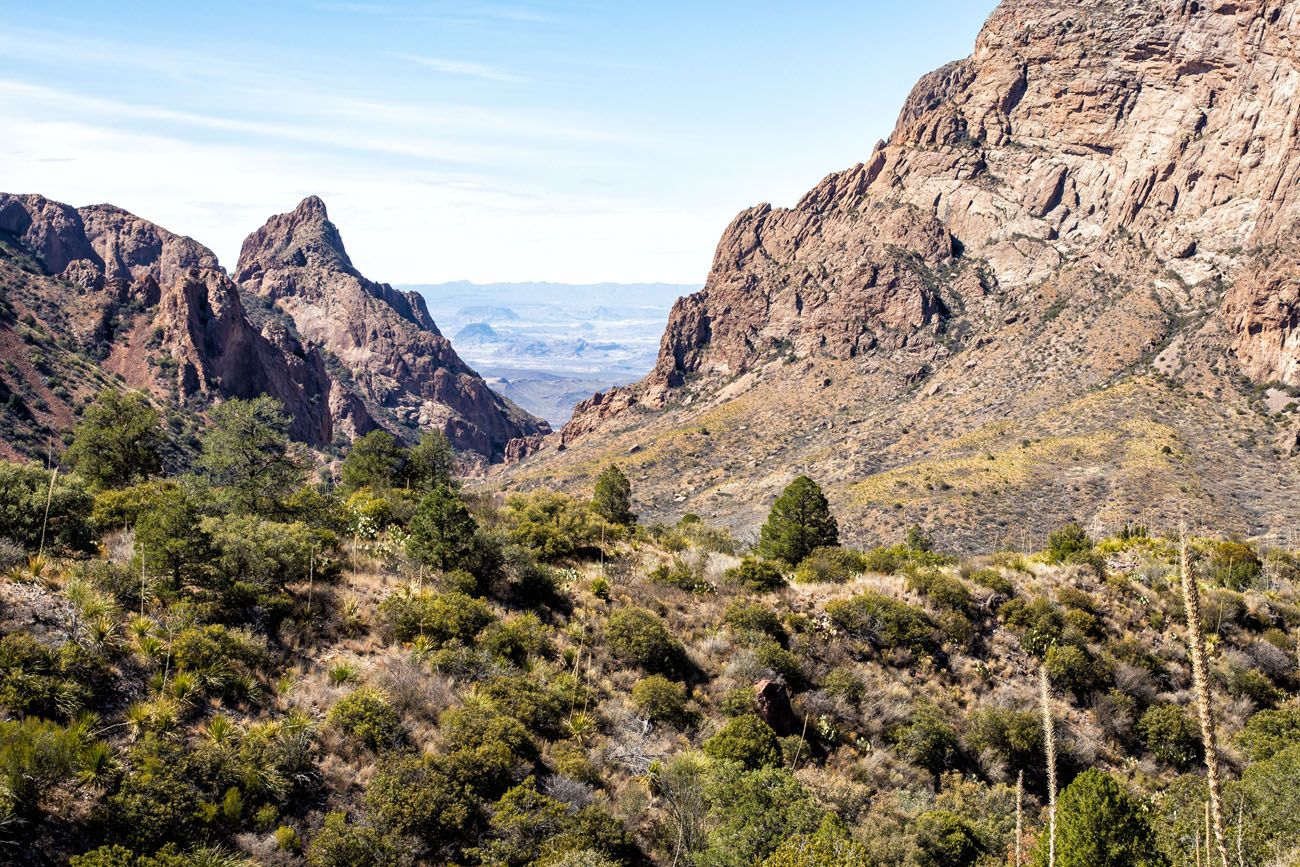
{"type": "Point", "coordinates": [800, 521]}
{"type": "Point", "coordinates": [430, 463]}
{"type": "Point", "coordinates": [442, 531]}
{"type": "Point", "coordinates": [119, 440]}
{"type": "Point", "coordinates": [612, 497]}
{"type": "Point", "coordinates": [375, 461]}
{"type": "Point", "coordinates": [247, 455]}
{"type": "Point", "coordinates": [1099, 824]}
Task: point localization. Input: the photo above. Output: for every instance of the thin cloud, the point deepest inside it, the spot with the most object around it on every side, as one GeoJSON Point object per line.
{"type": "Point", "coordinates": [462, 68]}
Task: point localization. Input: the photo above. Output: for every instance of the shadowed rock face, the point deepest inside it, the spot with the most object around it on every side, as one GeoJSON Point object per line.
{"type": "Point", "coordinates": [403, 373]}
{"type": "Point", "coordinates": [1101, 191]}
{"type": "Point", "coordinates": [166, 314]}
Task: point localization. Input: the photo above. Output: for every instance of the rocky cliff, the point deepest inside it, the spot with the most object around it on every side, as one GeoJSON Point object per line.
{"type": "Point", "coordinates": [1097, 203]}
{"type": "Point", "coordinates": [156, 310]}
{"type": "Point", "coordinates": [94, 296]}
{"type": "Point", "coordinates": [402, 371]}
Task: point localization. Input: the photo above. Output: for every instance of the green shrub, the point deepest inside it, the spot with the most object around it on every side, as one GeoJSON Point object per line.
{"type": "Point", "coordinates": [995, 581]}
{"type": "Point", "coordinates": [927, 740]}
{"type": "Point", "coordinates": [1235, 565]}
{"type": "Point", "coordinates": [884, 622]}
{"type": "Point", "coordinates": [746, 740]}
{"type": "Point", "coordinates": [828, 566]}
{"type": "Point", "coordinates": [24, 490]}
{"type": "Point", "coordinates": [1268, 732]}
{"type": "Point", "coordinates": [1067, 544]}
{"type": "Point", "coordinates": [1039, 623]}
{"type": "Point", "coordinates": [366, 717]}
{"type": "Point", "coordinates": [942, 590]}
{"type": "Point", "coordinates": [340, 843]}
{"type": "Point", "coordinates": [660, 699]}
{"type": "Point", "coordinates": [637, 636]}
{"type": "Point", "coordinates": [553, 526]}
{"type": "Point", "coordinates": [1074, 669]}
{"type": "Point", "coordinates": [119, 440]}
{"type": "Point", "coordinates": [683, 575]}
{"type": "Point", "coordinates": [375, 460]}
{"type": "Point", "coordinates": [411, 796]}
{"type": "Point", "coordinates": [1171, 736]}
{"type": "Point", "coordinates": [944, 839]}
{"type": "Point", "coordinates": [517, 638]}
{"type": "Point", "coordinates": [612, 497]}
{"type": "Point", "coordinates": [755, 573]}
{"type": "Point", "coordinates": [830, 846]}
{"type": "Point", "coordinates": [753, 618]}
{"type": "Point", "coordinates": [800, 522]}
{"type": "Point", "coordinates": [751, 813]}
{"type": "Point", "coordinates": [520, 697]}
{"type": "Point", "coordinates": [442, 532]}
{"type": "Point", "coordinates": [486, 748]}
{"type": "Point", "coordinates": [1099, 824]}
{"type": "Point", "coordinates": [1014, 737]}
{"type": "Point", "coordinates": [437, 618]}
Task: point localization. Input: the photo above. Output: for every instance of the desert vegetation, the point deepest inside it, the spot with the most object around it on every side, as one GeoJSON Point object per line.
{"type": "Point", "coordinates": [230, 651]}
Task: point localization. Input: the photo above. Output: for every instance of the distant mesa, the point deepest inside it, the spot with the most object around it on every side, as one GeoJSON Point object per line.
{"type": "Point", "coordinates": [477, 332]}
{"type": "Point", "coordinates": [485, 313]}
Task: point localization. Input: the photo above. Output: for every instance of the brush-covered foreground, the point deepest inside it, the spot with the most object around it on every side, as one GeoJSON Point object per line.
{"type": "Point", "coordinates": [238, 656]}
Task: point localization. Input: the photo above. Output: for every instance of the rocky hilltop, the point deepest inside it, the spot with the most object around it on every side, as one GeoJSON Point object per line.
{"type": "Point", "coordinates": [400, 368]}
{"type": "Point", "coordinates": [94, 296]}
{"type": "Point", "coordinates": [1071, 265]}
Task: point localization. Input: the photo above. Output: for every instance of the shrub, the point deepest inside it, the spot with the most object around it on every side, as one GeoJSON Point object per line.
{"type": "Point", "coordinates": [442, 531]}
{"type": "Point", "coordinates": [24, 490]}
{"type": "Point", "coordinates": [1268, 732]}
{"type": "Point", "coordinates": [486, 748]}
{"type": "Point", "coordinates": [247, 455]}
{"type": "Point", "coordinates": [927, 740]}
{"type": "Point", "coordinates": [751, 813]}
{"type": "Point", "coordinates": [753, 618]}
{"type": "Point", "coordinates": [755, 573]}
{"type": "Point", "coordinates": [523, 699]}
{"type": "Point", "coordinates": [1011, 736]}
{"type": "Point", "coordinates": [374, 461]}
{"type": "Point", "coordinates": [1171, 736]}
{"type": "Point", "coordinates": [1099, 824]}
{"type": "Point", "coordinates": [430, 463]}
{"type": "Point", "coordinates": [800, 522]}
{"type": "Point", "coordinates": [944, 839]}
{"type": "Point", "coordinates": [683, 575]}
{"type": "Point", "coordinates": [884, 622]}
{"type": "Point", "coordinates": [1234, 565]}
{"type": "Point", "coordinates": [1040, 623]}
{"type": "Point", "coordinates": [995, 581]}
{"type": "Point", "coordinates": [340, 843]}
{"type": "Point", "coordinates": [1067, 544]}
{"type": "Point", "coordinates": [828, 566]}
{"type": "Point", "coordinates": [553, 526]}
{"type": "Point", "coordinates": [366, 717]}
{"type": "Point", "coordinates": [660, 699]}
{"type": "Point", "coordinates": [119, 440]}
{"type": "Point", "coordinates": [637, 636]}
{"type": "Point", "coordinates": [612, 497]}
{"type": "Point", "coordinates": [438, 618]}
{"type": "Point", "coordinates": [746, 740]}
{"type": "Point", "coordinates": [410, 796]}
{"type": "Point", "coordinates": [830, 846]}
{"type": "Point", "coordinates": [1075, 669]}
{"type": "Point", "coordinates": [943, 591]}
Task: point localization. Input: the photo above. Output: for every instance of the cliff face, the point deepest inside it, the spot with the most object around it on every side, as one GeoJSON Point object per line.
{"type": "Point", "coordinates": [1100, 196]}
{"type": "Point", "coordinates": [402, 372]}
{"type": "Point", "coordinates": [159, 311]}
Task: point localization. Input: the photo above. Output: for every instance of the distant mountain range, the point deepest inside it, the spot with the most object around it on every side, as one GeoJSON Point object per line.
{"type": "Point", "coordinates": [548, 346]}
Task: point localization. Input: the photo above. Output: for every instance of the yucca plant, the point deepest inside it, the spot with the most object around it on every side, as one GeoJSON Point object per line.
{"type": "Point", "coordinates": [343, 672]}
{"type": "Point", "coordinates": [581, 726]}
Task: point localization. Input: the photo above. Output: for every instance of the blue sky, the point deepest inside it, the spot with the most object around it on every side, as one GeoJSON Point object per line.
{"type": "Point", "coordinates": [565, 140]}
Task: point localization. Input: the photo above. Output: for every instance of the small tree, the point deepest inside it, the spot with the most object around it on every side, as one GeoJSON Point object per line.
{"type": "Point", "coordinates": [431, 463]}
{"type": "Point", "coordinates": [375, 461]}
{"type": "Point", "coordinates": [612, 497]}
{"type": "Point", "coordinates": [1099, 824]}
{"type": "Point", "coordinates": [119, 440]}
{"type": "Point", "coordinates": [247, 456]}
{"type": "Point", "coordinates": [799, 522]}
{"type": "Point", "coordinates": [442, 530]}
{"type": "Point", "coordinates": [747, 740]}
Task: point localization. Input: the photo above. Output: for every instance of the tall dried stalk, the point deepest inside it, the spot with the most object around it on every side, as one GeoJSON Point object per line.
{"type": "Point", "coordinates": [1201, 686]}
{"type": "Point", "coordinates": [1020, 811]}
{"type": "Point", "coordinates": [45, 522]}
{"type": "Point", "coordinates": [1049, 743]}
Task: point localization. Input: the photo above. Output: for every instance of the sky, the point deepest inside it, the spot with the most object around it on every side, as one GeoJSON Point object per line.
{"type": "Point", "coordinates": [563, 140]}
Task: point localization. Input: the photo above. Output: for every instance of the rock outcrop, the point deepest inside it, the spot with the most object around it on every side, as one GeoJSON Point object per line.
{"type": "Point", "coordinates": [161, 311]}
{"type": "Point", "coordinates": [1053, 219]}
{"type": "Point", "coordinates": [402, 372]}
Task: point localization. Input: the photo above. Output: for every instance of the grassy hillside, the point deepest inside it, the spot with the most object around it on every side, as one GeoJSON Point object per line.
{"type": "Point", "coordinates": [266, 661]}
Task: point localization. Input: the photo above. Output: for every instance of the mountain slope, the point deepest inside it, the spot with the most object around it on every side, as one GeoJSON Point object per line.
{"type": "Point", "coordinates": [401, 370]}
{"type": "Point", "coordinates": [1095, 205]}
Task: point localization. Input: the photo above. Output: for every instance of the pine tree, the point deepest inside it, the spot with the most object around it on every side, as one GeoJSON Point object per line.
{"type": "Point", "coordinates": [612, 497]}
{"type": "Point", "coordinates": [374, 461]}
{"type": "Point", "coordinates": [119, 440]}
{"type": "Point", "coordinates": [799, 522]}
{"type": "Point", "coordinates": [1099, 824]}
{"type": "Point", "coordinates": [442, 531]}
